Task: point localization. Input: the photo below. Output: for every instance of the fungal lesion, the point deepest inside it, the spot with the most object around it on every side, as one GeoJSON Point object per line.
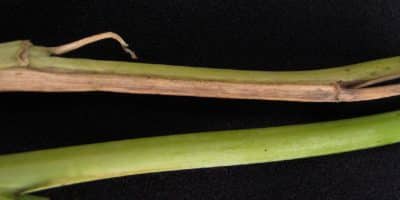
{"type": "Point", "coordinates": [23, 53]}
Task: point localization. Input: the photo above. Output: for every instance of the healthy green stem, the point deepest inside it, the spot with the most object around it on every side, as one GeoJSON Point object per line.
{"type": "Point", "coordinates": [23, 173]}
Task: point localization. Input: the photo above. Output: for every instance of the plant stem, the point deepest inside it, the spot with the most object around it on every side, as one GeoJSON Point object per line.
{"type": "Point", "coordinates": [25, 67]}
{"type": "Point", "coordinates": [22, 173]}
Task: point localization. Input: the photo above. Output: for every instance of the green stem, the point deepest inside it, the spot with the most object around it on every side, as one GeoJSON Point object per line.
{"type": "Point", "coordinates": [22, 173]}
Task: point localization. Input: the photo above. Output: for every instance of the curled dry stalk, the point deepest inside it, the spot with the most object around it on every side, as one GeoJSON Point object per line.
{"type": "Point", "coordinates": [26, 67]}
{"type": "Point", "coordinates": [62, 49]}
{"type": "Point", "coordinates": [23, 173]}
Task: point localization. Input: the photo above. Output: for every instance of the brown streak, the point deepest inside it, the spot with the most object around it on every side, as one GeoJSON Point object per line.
{"type": "Point", "coordinates": [26, 79]}
{"type": "Point", "coordinates": [371, 93]}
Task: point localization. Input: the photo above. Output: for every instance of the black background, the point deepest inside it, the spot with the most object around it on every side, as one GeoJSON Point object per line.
{"type": "Point", "coordinates": [241, 34]}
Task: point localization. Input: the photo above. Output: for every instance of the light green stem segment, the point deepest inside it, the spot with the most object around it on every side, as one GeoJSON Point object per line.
{"type": "Point", "coordinates": [32, 171]}
{"type": "Point", "coordinates": [39, 58]}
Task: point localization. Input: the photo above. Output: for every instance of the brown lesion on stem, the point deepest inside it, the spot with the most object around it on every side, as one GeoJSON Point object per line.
{"type": "Point", "coordinates": [26, 79]}
{"type": "Point", "coordinates": [23, 53]}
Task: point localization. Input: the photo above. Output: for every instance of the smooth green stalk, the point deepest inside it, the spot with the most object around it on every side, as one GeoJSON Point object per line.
{"type": "Point", "coordinates": [22, 173]}
{"type": "Point", "coordinates": [40, 58]}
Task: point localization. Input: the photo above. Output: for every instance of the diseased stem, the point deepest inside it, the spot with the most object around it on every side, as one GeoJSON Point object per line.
{"type": "Point", "coordinates": [22, 173]}
{"type": "Point", "coordinates": [25, 67]}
